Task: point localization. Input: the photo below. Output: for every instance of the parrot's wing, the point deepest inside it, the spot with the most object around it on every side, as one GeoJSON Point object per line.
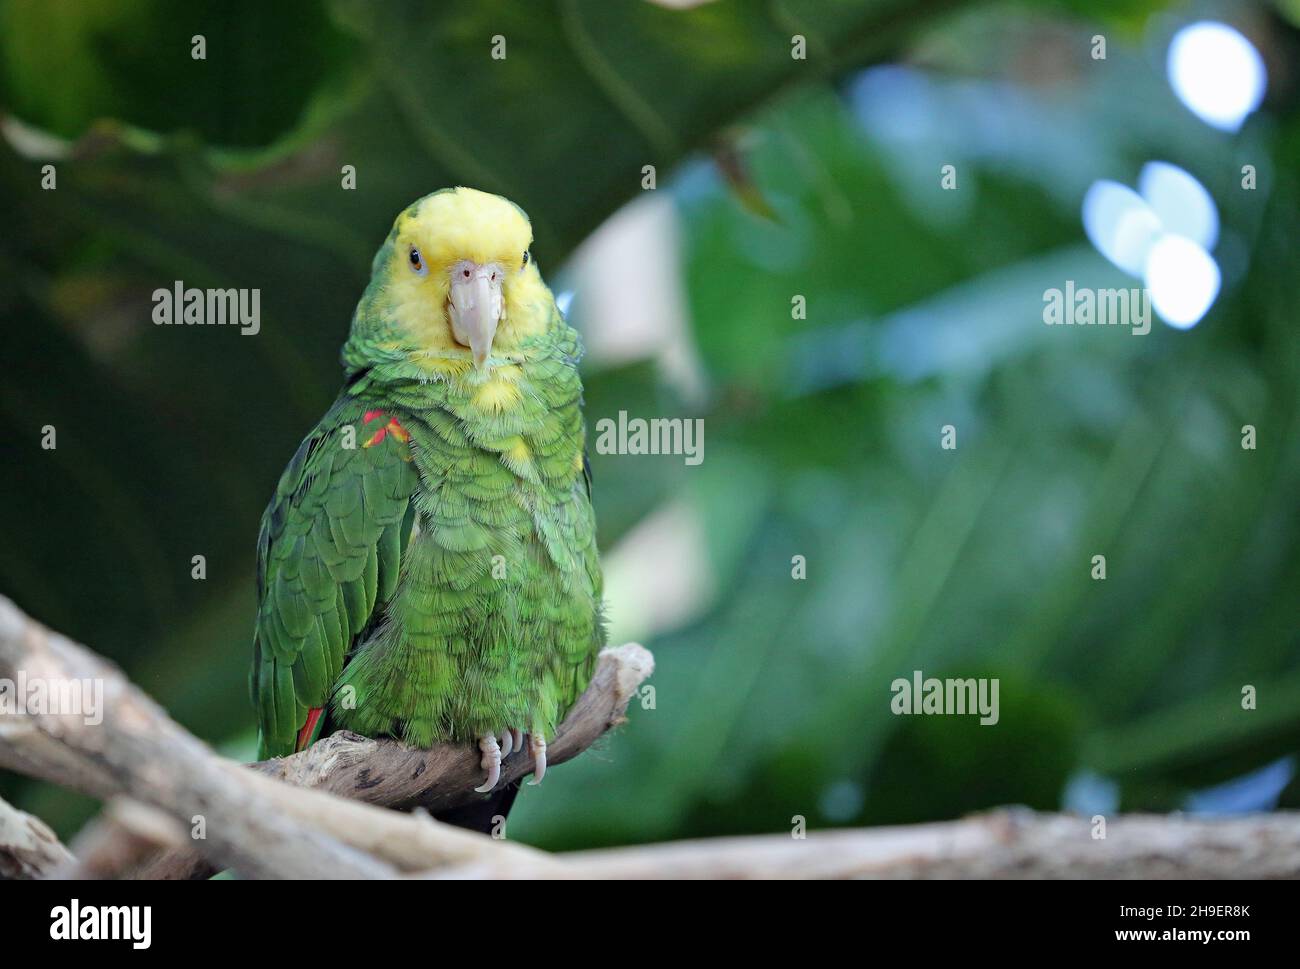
{"type": "Point", "coordinates": [328, 557]}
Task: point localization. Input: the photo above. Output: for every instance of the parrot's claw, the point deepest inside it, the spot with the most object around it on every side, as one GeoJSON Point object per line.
{"type": "Point", "coordinates": [507, 743]}
{"type": "Point", "coordinates": [518, 738]}
{"type": "Point", "coordinates": [537, 747]}
{"type": "Point", "coordinates": [491, 762]}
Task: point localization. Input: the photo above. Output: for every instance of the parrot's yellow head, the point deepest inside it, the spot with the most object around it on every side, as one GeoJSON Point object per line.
{"type": "Point", "coordinates": [457, 275]}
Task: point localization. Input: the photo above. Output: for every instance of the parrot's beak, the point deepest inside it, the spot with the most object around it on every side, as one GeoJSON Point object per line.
{"type": "Point", "coordinates": [476, 305]}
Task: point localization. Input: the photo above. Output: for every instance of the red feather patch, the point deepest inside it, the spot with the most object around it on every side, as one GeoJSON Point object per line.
{"type": "Point", "coordinates": [304, 735]}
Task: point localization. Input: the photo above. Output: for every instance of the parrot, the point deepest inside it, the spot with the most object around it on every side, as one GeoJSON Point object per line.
{"type": "Point", "coordinates": [427, 568]}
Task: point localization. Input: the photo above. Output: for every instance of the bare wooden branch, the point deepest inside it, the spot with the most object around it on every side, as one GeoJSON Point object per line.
{"type": "Point", "coordinates": [267, 828]}
{"type": "Point", "coordinates": [387, 773]}
{"type": "Point", "coordinates": [410, 843]}
{"type": "Point", "coordinates": [142, 753]}
{"type": "Point", "coordinates": [124, 836]}
{"type": "Point", "coordinates": [1003, 844]}
{"type": "Point", "coordinates": [28, 848]}
{"type": "Point", "coordinates": [26, 750]}
{"type": "Point", "coordinates": [253, 822]}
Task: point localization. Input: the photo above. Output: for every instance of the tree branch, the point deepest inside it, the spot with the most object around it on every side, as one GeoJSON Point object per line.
{"type": "Point", "coordinates": [253, 822]}
{"type": "Point", "coordinates": [125, 836]}
{"type": "Point", "coordinates": [1010, 843]}
{"type": "Point", "coordinates": [137, 750]}
{"type": "Point", "coordinates": [389, 774]}
{"type": "Point", "coordinates": [28, 848]}
{"type": "Point", "coordinates": [265, 828]}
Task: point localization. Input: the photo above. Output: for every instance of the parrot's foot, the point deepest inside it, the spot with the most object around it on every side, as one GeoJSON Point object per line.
{"type": "Point", "coordinates": [537, 747]}
{"type": "Point", "coordinates": [491, 762]}
{"type": "Point", "coordinates": [495, 751]}
{"type": "Point", "coordinates": [512, 738]}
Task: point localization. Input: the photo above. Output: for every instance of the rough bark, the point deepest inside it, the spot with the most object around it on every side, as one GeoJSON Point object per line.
{"type": "Point", "coordinates": [28, 848]}
{"type": "Point", "coordinates": [1004, 844]}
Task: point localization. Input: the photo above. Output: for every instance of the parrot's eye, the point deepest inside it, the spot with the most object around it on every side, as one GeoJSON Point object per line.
{"type": "Point", "coordinates": [527, 256]}
{"type": "Point", "coordinates": [417, 262]}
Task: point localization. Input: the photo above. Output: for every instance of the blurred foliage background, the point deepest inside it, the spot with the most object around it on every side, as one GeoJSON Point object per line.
{"type": "Point", "coordinates": [776, 177]}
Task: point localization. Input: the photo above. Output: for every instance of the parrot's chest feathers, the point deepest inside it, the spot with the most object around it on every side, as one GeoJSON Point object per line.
{"type": "Point", "coordinates": [514, 426]}
{"type": "Point", "coordinates": [496, 616]}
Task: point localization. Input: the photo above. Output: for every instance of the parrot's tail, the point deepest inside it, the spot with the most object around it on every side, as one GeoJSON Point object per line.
{"type": "Point", "coordinates": [488, 815]}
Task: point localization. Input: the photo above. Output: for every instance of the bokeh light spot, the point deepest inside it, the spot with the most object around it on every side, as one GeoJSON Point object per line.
{"type": "Point", "coordinates": [1120, 224]}
{"type": "Point", "coordinates": [1217, 73]}
{"type": "Point", "coordinates": [1183, 280]}
{"type": "Point", "coordinates": [1181, 203]}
